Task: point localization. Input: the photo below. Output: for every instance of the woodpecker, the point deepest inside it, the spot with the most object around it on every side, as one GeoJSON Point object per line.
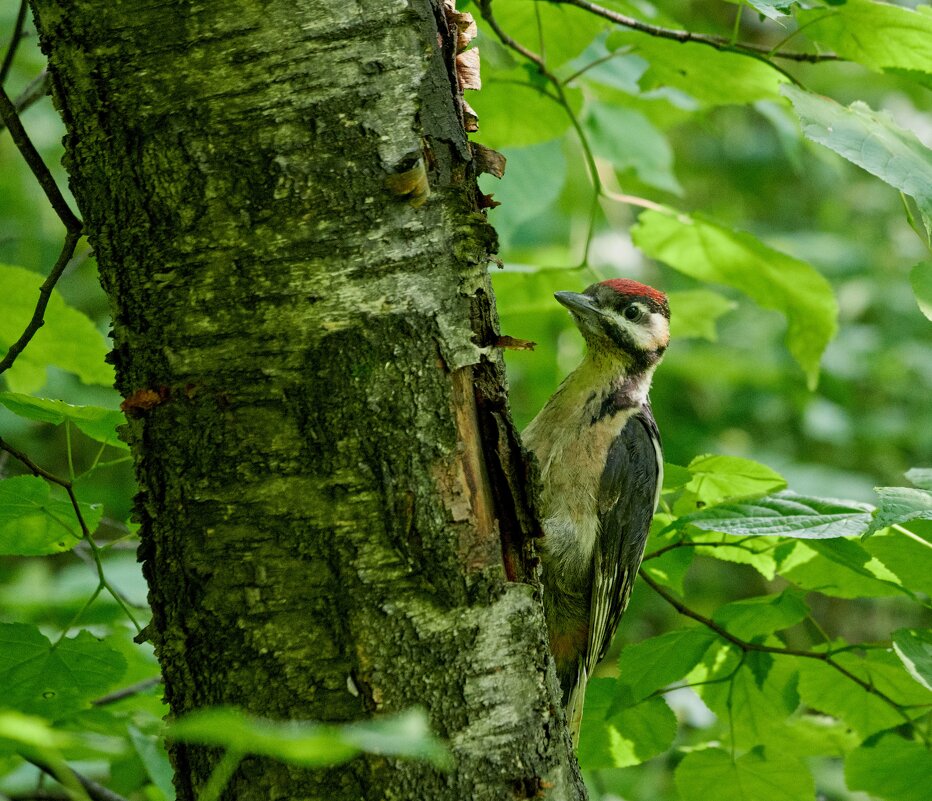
{"type": "Point", "coordinates": [601, 466]}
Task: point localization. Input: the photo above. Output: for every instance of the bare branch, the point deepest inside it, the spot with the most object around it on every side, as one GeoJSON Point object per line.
{"type": "Point", "coordinates": [718, 42]}
{"type": "Point", "coordinates": [14, 42]}
{"type": "Point", "coordinates": [37, 89]}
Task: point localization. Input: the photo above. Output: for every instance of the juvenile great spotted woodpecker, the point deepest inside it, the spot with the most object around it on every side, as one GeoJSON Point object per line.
{"type": "Point", "coordinates": [602, 468]}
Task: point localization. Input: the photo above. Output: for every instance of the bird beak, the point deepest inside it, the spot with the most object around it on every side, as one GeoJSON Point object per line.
{"type": "Point", "coordinates": [577, 303]}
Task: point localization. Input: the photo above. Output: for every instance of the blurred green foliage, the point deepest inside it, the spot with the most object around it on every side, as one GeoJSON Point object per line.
{"type": "Point", "coordinates": [763, 195]}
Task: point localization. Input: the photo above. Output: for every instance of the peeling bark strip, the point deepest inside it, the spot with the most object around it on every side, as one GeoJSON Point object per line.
{"type": "Point", "coordinates": [335, 499]}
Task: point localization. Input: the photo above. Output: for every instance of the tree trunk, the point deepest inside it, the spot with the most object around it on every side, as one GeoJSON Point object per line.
{"type": "Point", "coordinates": [332, 496]}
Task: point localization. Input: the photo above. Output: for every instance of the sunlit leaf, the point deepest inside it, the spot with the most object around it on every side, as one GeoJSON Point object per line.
{"type": "Point", "coordinates": [774, 280]}
{"type": "Point", "coordinates": [713, 773]}
{"type": "Point", "coordinates": [718, 478]}
{"type": "Point", "coordinates": [652, 664]}
{"type": "Point", "coordinates": [824, 688]}
{"type": "Point", "coordinates": [620, 737]}
{"type": "Point", "coordinates": [68, 339]}
{"type": "Point", "coordinates": [839, 567]}
{"type": "Point", "coordinates": [99, 424]}
{"type": "Point", "coordinates": [914, 648]}
{"type": "Point", "coordinates": [55, 681]}
{"type": "Point", "coordinates": [34, 522]}
{"type": "Point", "coordinates": [694, 313]}
{"type": "Point", "coordinates": [877, 35]}
{"type": "Point", "coordinates": [892, 768]}
{"type": "Point", "coordinates": [786, 514]}
{"type": "Point", "coordinates": [900, 505]}
{"type": "Point", "coordinates": [871, 139]}
{"type": "Point", "coordinates": [308, 743]}
{"type": "Point", "coordinates": [764, 614]}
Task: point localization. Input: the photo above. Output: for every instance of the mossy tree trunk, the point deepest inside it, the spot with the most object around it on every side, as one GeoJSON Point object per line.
{"type": "Point", "coordinates": [332, 497]}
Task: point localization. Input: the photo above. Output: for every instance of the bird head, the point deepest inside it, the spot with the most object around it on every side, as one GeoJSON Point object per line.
{"type": "Point", "coordinates": [622, 320]}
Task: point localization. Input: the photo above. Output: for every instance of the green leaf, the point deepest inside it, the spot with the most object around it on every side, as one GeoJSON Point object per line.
{"type": "Point", "coordinates": [68, 339]}
{"type": "Point", "coordinates": [694, 313]}
{"type": "Point", "coordinates": [914, 648]}
{"type": "Point", "coordinates": [920, 477]}
{"type": "Point", "coordinates": [752, 697]}
{"type": "Point", "coordinates": [774, 280]}
{"type": "Point", "coordinates": [765, 614]}
{"type": "Point", "coordinates": [675, 476]}
{"type": "Point", "coordinates": [557, 32]}
{"type": "Point", "coordinates": [921, 280]}
{"type": "Point", "coordinates": [711, 77]}
{"type": "Point", "coordinates": [513, 113]}
{"type": "Point", "coordinates": [920, 221]}
{"type": "Point", "coordinates": [618, 738]}
{"type": "Point", "coordinates": [33, 522]}
{"type": "Point", "coordinates": [670, 568]}
{"type": "Point", "coordinates": [628, 140]}
{"type": "Point", "coordinates": [838, 567]}
{"type": "Point", "coordinates": [533, 179]}
{"type": "Point", "coordinates": [900, 505]}
{"type": "Point", "coordinates": [877, 35]}
{"type": "Point", "coordinates": [824, 688]}
{"type": "Point", "coordinates": [99, 424]}
{"type": "Point", "coordinates": [154, 758]}
{"type": "Point", "coordinates": [909, 560]}
{"type": "Point", "coordinates": [786, 514]}
{"type": "Point", "coordinates": [892, 768]}
{"type": "Point", "coordinates": [871, 139]}
{"type": "Point", "coordinates": [713, 774]}
{"type": "Point", "coordinates": [755, 552]}
{"type": "Point", "coordinates": [54, 682]}
{"type": "Point", "coordinates": [308, 743]}
{"type": "Point", "coordinates": [719, 478]}
{"type": "Point", "coordinates": [652, 664]}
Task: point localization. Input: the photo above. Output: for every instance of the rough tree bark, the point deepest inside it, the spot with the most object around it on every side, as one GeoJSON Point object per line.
{"type": "Point", "coordinates": [333, 500]}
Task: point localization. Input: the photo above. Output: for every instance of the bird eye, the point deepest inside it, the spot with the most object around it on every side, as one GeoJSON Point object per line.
{"type": "Point", "coordinates": [632, 312]}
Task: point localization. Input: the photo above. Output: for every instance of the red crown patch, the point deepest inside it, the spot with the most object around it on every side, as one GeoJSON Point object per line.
{"type": "Point", "coordinates": [625, 286]}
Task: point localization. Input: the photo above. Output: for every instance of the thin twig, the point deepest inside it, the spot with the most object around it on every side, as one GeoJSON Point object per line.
{"type": "Point", "coordinates": [718, 42]}
{"type": "Point", "coordinates": [97, 792]}
{"type": "Point", "coordinates": [14, 42]}
{"type": "Point", "coordinates": [45, 294]}
{"type": "Point", "coordinates": [127, 692]}
{"type": "Point", "coordinates": [85, 531]}
{"type": "Point", "coordinates": [36, 164]}
{"type": "Point", "coordinates": [36, 90]}
{"type": "Point", "coordinates": [744, 645]}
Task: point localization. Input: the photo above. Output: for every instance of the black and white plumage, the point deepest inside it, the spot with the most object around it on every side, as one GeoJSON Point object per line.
{"type": "Point", "coordinates": [601, 466]}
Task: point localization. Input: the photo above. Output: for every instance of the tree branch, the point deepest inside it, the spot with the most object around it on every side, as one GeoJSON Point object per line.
{"type": "Point", "coordinates": [14, 42]}
{"type": "Point", "coordinates": [36, 164]}
{"type": "Point", "coordinates": [746, 646]}
{"type": "Point", "coordinates": [97, 792]}
{"type": "Point", "coordinates": [718, 42]}
{"type": "Point", "coordinates": [35, 91]}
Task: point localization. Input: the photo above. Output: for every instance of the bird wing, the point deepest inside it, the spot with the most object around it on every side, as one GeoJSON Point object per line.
{"type": "Point", "coordinates": [628, 493]}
